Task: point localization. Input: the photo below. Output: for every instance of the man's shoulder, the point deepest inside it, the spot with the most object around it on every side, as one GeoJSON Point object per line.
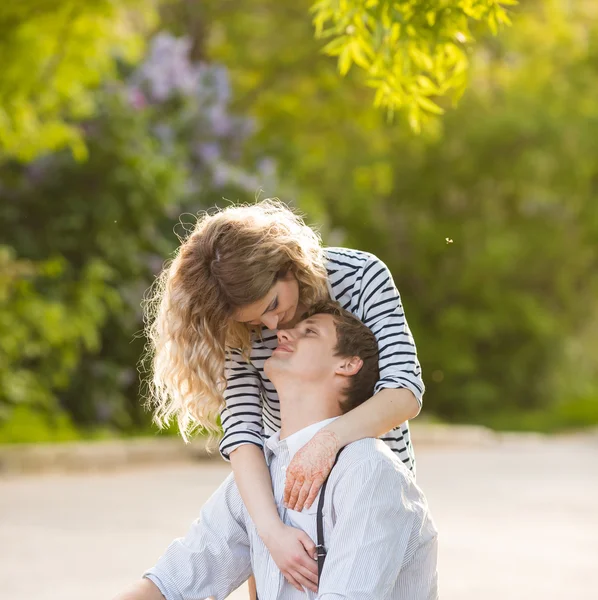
{"type": "Point", "coordinates": [370, 462]}
{"type": "Point", "coordinates": [374, 453]}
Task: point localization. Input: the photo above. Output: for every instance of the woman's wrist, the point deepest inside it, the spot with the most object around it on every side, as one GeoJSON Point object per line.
{"type": "Point", "coordinates": [268, 528]}
{"type": "Point", "coordinates": [335, 432]}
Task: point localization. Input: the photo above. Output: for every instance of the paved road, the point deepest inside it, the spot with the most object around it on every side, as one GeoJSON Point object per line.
{"type": "Point", "coordinates": [518, 520]}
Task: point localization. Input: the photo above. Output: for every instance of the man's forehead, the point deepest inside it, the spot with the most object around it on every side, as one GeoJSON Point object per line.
{"type": "Point", "coordinates": [321, 319]}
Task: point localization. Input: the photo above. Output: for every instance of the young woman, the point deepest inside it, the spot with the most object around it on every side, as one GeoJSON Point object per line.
{"type": "Point", "coordinates": [243, 273]}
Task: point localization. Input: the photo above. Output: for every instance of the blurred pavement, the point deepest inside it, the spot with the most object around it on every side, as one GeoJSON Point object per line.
{"type": "Point", "coordinates": [517, 519]}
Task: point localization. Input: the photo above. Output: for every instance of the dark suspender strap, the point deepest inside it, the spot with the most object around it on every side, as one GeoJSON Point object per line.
{"type": "Point", "coordinates": [321, 549]}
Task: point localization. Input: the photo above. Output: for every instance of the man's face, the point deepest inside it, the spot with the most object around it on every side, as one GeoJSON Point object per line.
{"type": "Point", "coordinates": [306, 351]}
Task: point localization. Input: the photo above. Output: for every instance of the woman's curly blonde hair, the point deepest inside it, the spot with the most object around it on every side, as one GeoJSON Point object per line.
{"type": "Point", "coordinates": [231, 259]}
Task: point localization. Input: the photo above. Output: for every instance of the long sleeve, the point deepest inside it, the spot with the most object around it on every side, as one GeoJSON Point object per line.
{"type": "Point", "coordinates": [372, 537]}
{"type": "Point", "coordinates": [241, 417]}
{"type": "Point", "coordinates": [214, 558]}
{"type": "Point", "coordinates": [380, 308]}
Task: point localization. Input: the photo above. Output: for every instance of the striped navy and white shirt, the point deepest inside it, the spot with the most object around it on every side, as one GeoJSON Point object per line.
{"type": "Point", "coordinates": [362, 284]}
{"type": "Point", "coordinates": [381, 541]}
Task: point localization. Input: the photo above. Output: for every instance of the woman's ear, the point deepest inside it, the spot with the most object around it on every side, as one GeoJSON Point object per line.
{"type": "Point", "coordinates": [350, 366]}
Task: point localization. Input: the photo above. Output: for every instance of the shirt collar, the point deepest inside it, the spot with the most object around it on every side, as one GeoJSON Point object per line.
{"type": "Point", "coordinates": [294, 442]}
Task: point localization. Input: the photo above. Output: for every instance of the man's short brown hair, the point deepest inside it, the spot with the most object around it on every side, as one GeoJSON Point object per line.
{"type": "Point", "coordinates": [353, 338]}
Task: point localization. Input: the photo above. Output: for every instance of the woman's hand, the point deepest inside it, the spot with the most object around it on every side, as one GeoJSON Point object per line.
{"type": "Point", "coordinates": [294, 553]}
{"type": "Point", "coordinates": [309, 468]}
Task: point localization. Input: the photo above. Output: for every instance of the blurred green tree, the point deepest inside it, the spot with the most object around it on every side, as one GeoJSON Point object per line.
{"type": "Point", "coordinates": [488, 220]}
{"type": "Point", "coordinates": [89, 236]}
{"type": "Point", "coordinates": [41, 333]}
{"type": "Point", "coordinates": [500, 312]}
{"type": "Point", "coordinates": [412, 52]}
{"type": "Point", "coordinates": [53, 55]}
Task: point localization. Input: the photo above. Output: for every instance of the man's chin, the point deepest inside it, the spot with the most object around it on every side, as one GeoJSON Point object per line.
{"type": "Point", "coordinates": [274, 365]}
{"type": "Point", "coordinates": [270, 366]}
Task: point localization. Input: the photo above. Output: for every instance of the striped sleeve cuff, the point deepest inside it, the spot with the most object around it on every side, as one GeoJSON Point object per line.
{"type": "Point", "coordinates": [164, 583]}
{"type": "Point", "coordinates": [395, 383]}
{"type": "Point", "coordinates": [226, 446]}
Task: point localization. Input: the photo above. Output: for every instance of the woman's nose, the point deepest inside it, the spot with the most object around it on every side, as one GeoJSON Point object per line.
{"type": "Point", "coordinates": [270, 321]}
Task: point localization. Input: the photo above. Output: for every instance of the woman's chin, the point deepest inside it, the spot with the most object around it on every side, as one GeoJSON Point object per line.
{"type": "Point", "coordinates": [286, 319]}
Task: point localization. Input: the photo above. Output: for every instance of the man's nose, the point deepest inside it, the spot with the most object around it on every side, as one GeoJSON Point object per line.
{"type": "Point", "coordinates": [270, 321]}
{"type": "Point", "coordinates": [283, 336]}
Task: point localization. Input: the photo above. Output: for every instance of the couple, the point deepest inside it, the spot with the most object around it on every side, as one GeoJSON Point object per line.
{"type": "Point", "coordinates": [380, 540]}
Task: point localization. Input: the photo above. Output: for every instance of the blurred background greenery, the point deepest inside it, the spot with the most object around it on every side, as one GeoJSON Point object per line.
{"type": "Point", "coordinates": [462, 152]}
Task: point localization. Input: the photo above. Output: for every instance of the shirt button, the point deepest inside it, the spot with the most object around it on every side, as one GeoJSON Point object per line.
{"type": "Point", "coordinates": [283, 469]}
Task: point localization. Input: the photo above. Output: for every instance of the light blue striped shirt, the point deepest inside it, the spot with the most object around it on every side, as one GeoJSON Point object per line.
{"type": "Point", "coordinates": [380, 537]}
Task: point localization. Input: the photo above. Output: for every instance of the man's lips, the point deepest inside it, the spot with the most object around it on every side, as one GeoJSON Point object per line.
{"type": "Point", "coordinates": [283, 348]}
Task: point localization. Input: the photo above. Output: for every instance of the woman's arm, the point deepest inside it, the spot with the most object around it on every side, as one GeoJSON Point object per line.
{"type": "Point", "coordinates": [242, 444]}
{"type": "Point", "coordinates": [292, 549]}
{"type": "Point", "coordinates": [397, 395]}
{"type": "Point", "coordinates": [255, 486]}
{"type": "Point", "coordinates": [376, 416]}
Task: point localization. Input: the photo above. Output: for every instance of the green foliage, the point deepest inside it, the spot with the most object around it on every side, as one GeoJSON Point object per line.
{"type": "Point", "coordinates": [487, 220]}
{"type": "Point", "coordinates": [411, 51]}
{"type": "Point", "coordinates": [573, 414]}
{"type": "Point", "coordinates": [44, 327]}
{"type": "Point", "coordinates": [53, 55]}
{"type": "Point", "coordinates": [30, 425]}
{"type": "Point", "coordinates": [160, 142]}
{"type": "Point", "coordinates": [103, 230]}
{"type": "Point", "coordinates": [492, 231]}
{"type": "Point", "coordinates": [500, 315]}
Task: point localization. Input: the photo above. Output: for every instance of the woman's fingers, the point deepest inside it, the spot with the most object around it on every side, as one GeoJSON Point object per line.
{"type": "Point", "coordinates": [312, 462]}
{"type": "Point", "coordinates": [289, 577]}
{"type": "Point", "coordinates": [313, 492]}
{"type": "Point", "coordinates": [307, 582]}
{"type": "Point", "coordinates": [310, 548]}
{"type": "Point", "coordinates": [303, 492]}
{"type": "Point", "coordinates": [309, 571]}
{"type": "Point", "coordinates": [288, 487]}
{"type": "Point", "coordinates": [294, 494]}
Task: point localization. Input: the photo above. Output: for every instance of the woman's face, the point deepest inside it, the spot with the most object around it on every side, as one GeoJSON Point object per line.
{"type": "Point", "coordinates": [277, 308]}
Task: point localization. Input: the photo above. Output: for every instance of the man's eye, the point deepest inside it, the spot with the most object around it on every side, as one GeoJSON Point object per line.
{"type": "Point", "coordinates": [308, 330]}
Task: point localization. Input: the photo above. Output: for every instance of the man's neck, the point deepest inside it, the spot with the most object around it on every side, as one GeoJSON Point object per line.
{"type": "Point", "coordinates": [302, 405]}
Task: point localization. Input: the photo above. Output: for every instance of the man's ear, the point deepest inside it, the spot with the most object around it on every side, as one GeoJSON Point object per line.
{"type": "Point", "coordinates": [349, 366]}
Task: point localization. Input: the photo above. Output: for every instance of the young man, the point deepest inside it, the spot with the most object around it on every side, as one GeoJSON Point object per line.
{"type": "Point", "coordinates": [380, 539]}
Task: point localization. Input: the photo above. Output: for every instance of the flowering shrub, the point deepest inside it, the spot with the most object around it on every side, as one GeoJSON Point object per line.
{"type": "Point", "coordinates": [162, 142]}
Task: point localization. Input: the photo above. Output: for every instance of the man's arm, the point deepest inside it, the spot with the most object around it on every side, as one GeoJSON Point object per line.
{"type": "Point", "coordinates": [212, 560]}
{"type": "Point", "coordinates": [375, 515]}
